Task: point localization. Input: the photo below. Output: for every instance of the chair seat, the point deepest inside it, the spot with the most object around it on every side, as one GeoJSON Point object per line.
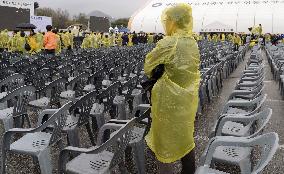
{"type": "Point", "coordinates": [89, 88]}
{"type": "Point", "coordinates": [118, 99]}
{"type": "Point", "coordinates": [90, 163]}
{"type": "Point", "coordinates": [3, 94]}
{"type": "Point", "coordinates": [71, 78]}
{"type": "Point", "coordinates": [207, 170]}
{"type": "Point", "coordinates": [42, 102]}
{"type": "Point", "coordinates": [71, 122]}
{"type": "Point", "coordinates": [97, 109]}
{"type": "Point", "coordinates": [106, 83]}
{"type": "Point", "coordinates": [137, 135]}
{"type": "Point", "coordinates": [31, 143]}
{"type": "Point", "coordinates": [67, 94]}
{"type": "Point", "coordinates": [235, 129]}
{"type": "Point", "coordinates": [231, 154]}
{"type": "Point", "coordinates": [6, 113]}
{"type": "Point", "coordinates": [236, 111]}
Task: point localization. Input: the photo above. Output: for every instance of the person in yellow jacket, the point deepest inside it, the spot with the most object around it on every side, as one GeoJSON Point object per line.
{"type": "Point", "coordinates": [39, 40]}
{"type": "Point", "coordinates": [150, 38]}
{"type": "Point", "coordinates": [20, 42]}
{"type": "Point", "coordinates": [12, 42]}
{"type": "Point", "coordinates": [4, 39]}
{"type": "Point", "coordinates": [119, 39]}
{"type": "Point", "coordinates": [209, 37]}
{"type": "Point", "coordinates": [66, 40]}
{"type": "Point", "coordinates": [215, 38]}
{"type": "Point", "coordinates": [58, 47]}
{"type": "Point", "coordinates": [71, 38]}
{"type": "Point", "coordinates": [106, 41]}
{"type": "Point", "coordinates": [174, 97]}
{"type": "Point", "coordinates": [87, 43]}
{"type": "Point", "coordinates": [32, 41]}
{"type": "Point", "coordinates": [223, 37]}
{"type": "Point", "coordinates": [130, 43]}
{"type": "Point", "coordinates": [237, 42]}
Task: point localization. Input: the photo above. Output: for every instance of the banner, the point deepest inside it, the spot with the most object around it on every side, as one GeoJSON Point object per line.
{"type": "Point", "coordinates": [41, 22]}
{"type": "Point", "coordinates": [19, 4]}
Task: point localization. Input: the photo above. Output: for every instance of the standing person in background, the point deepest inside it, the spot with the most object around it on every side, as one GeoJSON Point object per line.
{"type": "Point", "coordinates": [39, 40]}
{"type": "Point", "coordinates": [32, 41]}
{"type": "Point", "coordinates": [21, 41]}
{"type": "Point", "coordinates": [175, 94]}
{"type": "Point", "coordinates": [50, 41]}
{"type": "Point", "coordinates": [58, 47]}
{"type": "Point", "coordinates": [71, 39]}
{"type": "Point", "coordinates": [125, 39]}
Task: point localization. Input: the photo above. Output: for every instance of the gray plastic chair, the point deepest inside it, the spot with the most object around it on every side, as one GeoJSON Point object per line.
{"type": "Point", "coordinates": [37, 141]}
{"type": "Point", "coordinates": [11, 83]}
{"type": "Point", "coordinates": [243, 126]}
{"type": "Point", "coordinates": [17, 107]}
{"type": "Point", "coordinates": [243, 107]}
{"type": "Point", "coordinates": [102, 158]}
{"type": "Point", "coordinates": [237, 150]}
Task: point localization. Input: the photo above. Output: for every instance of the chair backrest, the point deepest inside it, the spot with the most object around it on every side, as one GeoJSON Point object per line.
{"type": "Point", "coordinates": [55, 88]}
{"type": "Point", "coordinates": [6, 72]}
{"type": "Point", "coordinates": [13, 82]}
{"type": "Point", "coordinates": [20, 98]}
{"type": "Point", "coordinates": [64, 71]}
{"type": "Point", "coordinates": [261, 121]}
{"type": "Point", "coordinates": [19, 65]}
{"type": "Point", "coordinates": [269, 145]}
{"type": "Point", "coordinates": [109, 94]}
{"type": "Point", "coordinates": [78, 83]}
{"type": "Point", "coordinates": [40, 78]}
{"type": "Point", "coordinates": [83, 107]}
{"type": "Point", "coordinates": [4, 64]}
{"type": "Point", "coordinates": [129, 86]}
{"type": "Point", "coordinates": [58, 120]}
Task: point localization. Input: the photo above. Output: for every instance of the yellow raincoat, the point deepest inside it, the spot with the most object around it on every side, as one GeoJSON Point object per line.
{"type": "Point", "coordinates": [39, 40]}
{"type": "Point", "coordinates": [130, 43]}
{"type": "Point", "coordinates": [58, 47]}
{"type": "Point", "coordinates": [150, 39]}
{"type": "Point", "coordinates": [119, 40]}
{"type": "Point", "coordinates": [175, 95]}
{"type": "Point", "coordinates": [35, 48]}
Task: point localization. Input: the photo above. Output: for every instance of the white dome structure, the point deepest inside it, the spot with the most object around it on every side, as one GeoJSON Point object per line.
{"type": "Point", "coordinates": [215, 15]}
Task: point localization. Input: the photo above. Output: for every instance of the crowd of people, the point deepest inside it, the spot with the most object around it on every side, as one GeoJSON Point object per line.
{"type": "Point", "coordinates": [64, 40]}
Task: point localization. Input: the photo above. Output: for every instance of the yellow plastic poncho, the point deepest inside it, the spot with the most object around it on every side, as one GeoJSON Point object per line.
{"type": "Point", "coordinates": [130, 43]}
{"type": "Point", "coordinates": [4, 39]}
{"type": "Point", "coordinates": [175, 95]}
{"type": "Point", "coordinates": [119, 40]}
{"type": "Point", "coordinates": [39, 40]}
{"type": "Point", "coordinates": [58, 47]}
{"type": "Point", "coordinates": [150, 39]}
{"type": "Point", "coordinates": [35, 48]}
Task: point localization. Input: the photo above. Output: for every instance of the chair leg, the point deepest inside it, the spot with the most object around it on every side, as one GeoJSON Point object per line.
{"type": "Point", "coordinates": [44, 161]}
{"type": "Point", "coordinates": [90, 133]}
{"type": "Point", "coordinates": [3, 161]}
{"type": "Point", "coordinates": [8, 123]}
{"type": "Point", "coordinates": [73, 137]}
{"type": "Point", "coordinates": [138, 150]}
{"type": "Point", "coordinates": [245, 166]}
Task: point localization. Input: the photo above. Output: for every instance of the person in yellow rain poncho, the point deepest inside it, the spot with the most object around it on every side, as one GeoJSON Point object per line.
{"type": "Point", "coordinates": [35, 48]}
{"type": "Point", "coordinates": [12, 43]}
{"type": "Point", "coordinates": [58, 47]}
{"type": "Point", "coordinates": [65, 40]}
{"type": "Point", "coordinates": [112, 39]}
{"type": "Point", "coordinates": [174, 96]}
{"type": "Point", "coordinates": [106, 41]}
{"type": "Point", "coordinates": [87, 43]}
{"type": "Point", "coordinates": [39, 40]}
{"type": "Point", "coordinates": [223, 37]}
{"type": "Point", "coordinates": [237, 42]}
{"type": "Point", "coordinates": [71, 38]}
{"type": "Point", "coordinates": [4, 39]}
{"type": "Point", "coordinates": [209, 37]}
{"type": "Point", "coordinates": [130, 43]}
{"type": "Point", "coordinates": [215, 38]}
{"type": "Point", "coordinates": [20, 42]}
{"type": "Point", "coordinates": [119, 39]}
{"type": "Point", "coordinates": [150, 38]}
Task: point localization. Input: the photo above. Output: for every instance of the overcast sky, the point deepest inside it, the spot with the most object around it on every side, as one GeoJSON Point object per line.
{"type": "Point", "coordinates": [114, 8]}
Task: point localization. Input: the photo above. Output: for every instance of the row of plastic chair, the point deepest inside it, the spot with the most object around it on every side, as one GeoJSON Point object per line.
{"type": "Point", "coordinates": [237, 134]}
{"type": "Point", "coordinates": [275, 55]}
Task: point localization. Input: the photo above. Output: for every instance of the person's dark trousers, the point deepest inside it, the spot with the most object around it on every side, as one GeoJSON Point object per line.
{"type": "Point", "coordinates": [52, 52]}
{"type": "Point", "coordinates": [188, 163]}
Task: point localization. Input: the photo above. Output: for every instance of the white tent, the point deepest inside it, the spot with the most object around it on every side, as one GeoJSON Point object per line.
{"type": "Point", "coordinates": [237, 14]}
{"type": "Point", "coordinates": [217, 27]}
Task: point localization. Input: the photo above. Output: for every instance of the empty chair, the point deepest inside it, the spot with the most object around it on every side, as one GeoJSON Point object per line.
{"type": "Point", "coordinates": [49, 95]}
{"type": "Point", "coordinates": [11, 83]}
{"type": "Point", "coordinates": [237, 150]}
{"type": "Point", "coordinates": [101, 158]}
{"type": "Point", "coordinates": [37, 141]}
{"type": "Point", "coordinates": [17, 107]}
